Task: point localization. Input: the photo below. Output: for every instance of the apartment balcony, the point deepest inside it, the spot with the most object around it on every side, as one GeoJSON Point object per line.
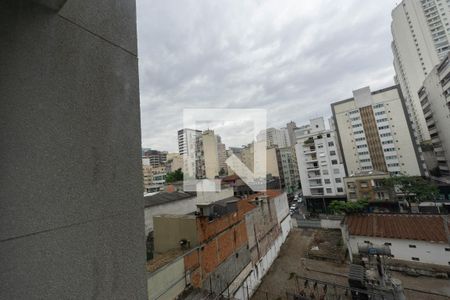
{"type": "Point", "coordinates": [446, 86]}
{"type": "Point", "coordinates": [441, 158]}
{"type": "Point", "coordinates": [308, 149]}
{"type": "Point", "coordinates": [317, 192]}
{"type": "Point", "coordinates": [443, 166]}
{"type": "Point", "coordinates": [434, 130]}
{"type": "Point", "coordinates": [312, 167]}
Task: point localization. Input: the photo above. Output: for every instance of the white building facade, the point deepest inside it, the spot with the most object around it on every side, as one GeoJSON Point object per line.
{"type": "Point", "coordinates": [320, 163]}
{"type": "Point", "coordinates": [435, 101]}
{"type": "Point", "coordinates": [421, 34]}
{"type": "Point", "coordinates": [374, 133]}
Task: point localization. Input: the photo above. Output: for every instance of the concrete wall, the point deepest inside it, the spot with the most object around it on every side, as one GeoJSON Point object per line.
{"type": "Point", "coordinates": [181, 207]}
{"type": "Point", "coordinates": [252, 281]}
{"type": "Point", "coordinates": [227, 271]}
{"type": "Point", "coordinates": [167, 282]}
{"type": "Point", "coordinates": [431, 253]}
{"type": "Point", "coordinates": [71, 213]}
{"type": "Point", "coordinates": [170, 229]}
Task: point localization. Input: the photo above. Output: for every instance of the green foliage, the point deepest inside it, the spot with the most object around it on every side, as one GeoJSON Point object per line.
{"type": "Point", "coordinates": [222, 172]}
{"type": "Point", "coordinates": [174, 176]}
{"type": "Point", "coordinates": [413, 188]}
{"type": "Point", "coordinates": [343, 207]}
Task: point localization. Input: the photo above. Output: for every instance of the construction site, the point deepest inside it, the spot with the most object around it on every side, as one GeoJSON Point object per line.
{"type": "Point", "coordinates": [313, 264]}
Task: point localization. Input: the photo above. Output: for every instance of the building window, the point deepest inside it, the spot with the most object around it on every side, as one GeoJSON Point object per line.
{"type": "Point", "coordinates": [329, 191]}
{"type": "Point", "coordinates": [330, 144]}
{"type": "Point", "coordinates": [336, 171]}
{"type": "Point", "coordinates": [324, 172]}
{"type": "Point", "coordinates": [340, 190]}
{"type": "Point", "coordinates": [415, 258]}
{"type": "Point", "coordinates": [412, 246]}
{"type": "Point", "coordinates": [338, 180]}
{"type": "Point", "coordinates": [367, 242]}
{"type": "Point", "coordinates": [388, 244]}
{"type": "Point", "coordinates": [327, 181]}
{"type": "Point", "coordinates": [334, 162]}
{"type": "Point", "coordinates": [447, 249]}
{"type": "Point", "coordinates": [332, 152]}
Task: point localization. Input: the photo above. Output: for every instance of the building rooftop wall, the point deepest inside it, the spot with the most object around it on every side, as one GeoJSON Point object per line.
{"type": "Point", "coordinates": [166, 197]}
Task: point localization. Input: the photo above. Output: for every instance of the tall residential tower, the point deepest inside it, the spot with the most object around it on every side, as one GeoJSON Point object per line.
{"type": "Point", "coordinates": [421, 34]}
{"type": "Point", "coordinates": [374, 133]}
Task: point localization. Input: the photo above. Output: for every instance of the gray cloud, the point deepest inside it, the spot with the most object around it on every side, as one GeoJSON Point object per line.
{"type": "Point", "coordinates": [292, 58]}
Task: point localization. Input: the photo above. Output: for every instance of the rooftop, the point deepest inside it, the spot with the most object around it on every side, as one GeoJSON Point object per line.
{"type": "Point", "coordinates": [166, 197]}
{"type": "Point", "coordinates": [431, 228]}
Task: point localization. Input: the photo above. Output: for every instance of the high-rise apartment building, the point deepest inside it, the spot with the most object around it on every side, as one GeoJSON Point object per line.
{"type": "Point", "coordinates": [187, 140]}
{"type": "Point", "coordinates": [374, 133]}
{"type": "Point", "coordinates": [290, 169]}
{"type": "Point", "coordinates": [291, 127]}
{"type": "Point", "coordinates": [190, 148]}
{"type": "Point", "coordinates": [275, 137]}
{"type": "Point", "coordinates": [210, 154]}
{"type": "Point", "coordinates": [320, 164]}
{"type": "Point", "coordinates": [421, 34]}
{"type": "Point", "coordinates": [435, 101]}
{"type": "Point", "coordinates": [155, 158]}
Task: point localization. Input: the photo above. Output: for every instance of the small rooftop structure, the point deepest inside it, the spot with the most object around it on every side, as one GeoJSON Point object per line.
{"type": "Point", "coordinates": [166, 197]}
{"type": "Point", "coordinates": [430, 228]}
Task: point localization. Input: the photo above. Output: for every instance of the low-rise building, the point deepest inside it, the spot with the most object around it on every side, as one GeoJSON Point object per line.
{"type": "Point", "coordinates": [371, 187]}
{"type": "Point", "coordinates": [176, 202]}
{"type": "Point", "coordinates": [223, 250]}
{"type": "Point", "coordinates": [410, 237]}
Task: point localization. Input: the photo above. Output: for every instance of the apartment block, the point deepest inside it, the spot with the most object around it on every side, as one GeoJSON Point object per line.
{"type": "Point", "coordinates": [375, 134]}
{"type": "Point", "coordinates": [190, 148]}
{"type": "Point", "coordinates": [289, 168]}
{"type": "Point", "coordinates": [435, 100]}
{"type": "Point", "coordinates": [155, 158]}
{"type": "Point", "coordinates": [421, 34]}
{"type": "Point", "coordinates": [320, 164]}
{"type": "Point", "coordinates": [275, 137]}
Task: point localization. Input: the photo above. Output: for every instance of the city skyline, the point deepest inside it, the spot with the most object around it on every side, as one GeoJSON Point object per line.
{"type": "Point", "coordinates": [257, 56]}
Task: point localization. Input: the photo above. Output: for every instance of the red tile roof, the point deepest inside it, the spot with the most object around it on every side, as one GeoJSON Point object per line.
{"type": "Point", "coordinates": [399, 226]}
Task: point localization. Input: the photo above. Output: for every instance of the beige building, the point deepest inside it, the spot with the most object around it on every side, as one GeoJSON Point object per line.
{"type": "Point", "coordinates": [154, 177]}
{"type": "Point", "coordinates": [210, 154]}
{"type": "Point", "coordinates": [375, 134]}
{"type": "Point", "coordinates": [174, 162]}
{"type": "Point", "coordinates": [421, 37]}
{"type": "Point", "coordinates": [370, 186]}
{"type": "Point", "coordinates": [435, 101]}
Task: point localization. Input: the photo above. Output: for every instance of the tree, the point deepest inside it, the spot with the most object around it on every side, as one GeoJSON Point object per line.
{"type": "Point", "coordinates": [222, 172]}
{"type": "Point", "coordinates": [413, 188]}
{"type": "Point", "coordinates": [343, 207]}
{"type": "Point", "coordinates": [174, 176]}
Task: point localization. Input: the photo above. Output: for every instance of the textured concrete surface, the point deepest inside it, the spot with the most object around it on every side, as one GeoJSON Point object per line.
{"type": "Point", "coordinates": [71, 207]}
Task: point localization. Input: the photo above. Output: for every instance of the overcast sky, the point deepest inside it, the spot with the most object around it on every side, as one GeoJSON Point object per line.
{"type": "Point", "coordinates": [292, 58]}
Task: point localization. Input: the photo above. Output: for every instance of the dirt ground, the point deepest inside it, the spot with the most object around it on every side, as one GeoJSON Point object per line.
{"type": "Point", "coordinates": [281, 283]}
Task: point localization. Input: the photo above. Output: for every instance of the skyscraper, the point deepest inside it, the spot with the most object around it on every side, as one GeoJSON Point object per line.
{"type": "Point", "coordinates": [421, 34]}
{"type": "Point", "coordinates": [374, 133]}
{"type": "Point", "coordinates": [435, 100]}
